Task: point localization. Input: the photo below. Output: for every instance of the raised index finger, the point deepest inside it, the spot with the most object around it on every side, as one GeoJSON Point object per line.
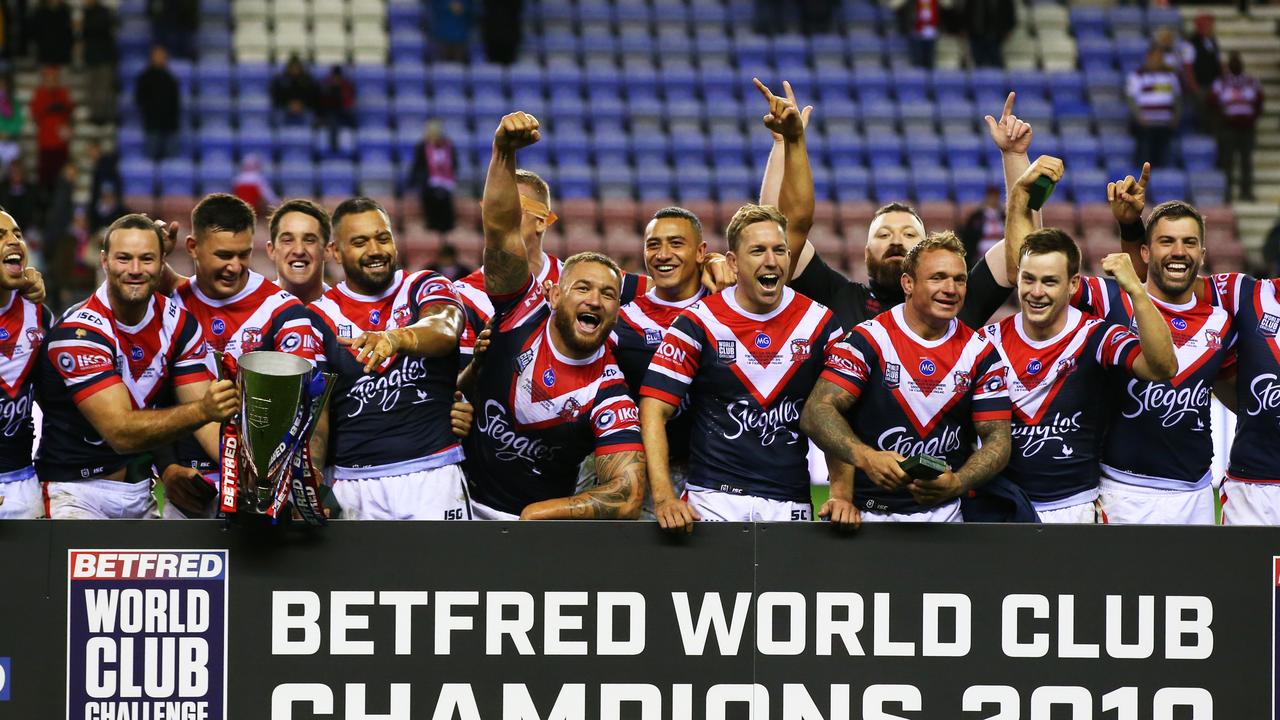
{"type": "Point", "coordinates": [791, 95]}
{"type": "Point", "coordinates": [1146, 175]}
{"type": "Point", "coordinates": [1008, 105]}
{"type": "Point", "coordinates": [765, 91]}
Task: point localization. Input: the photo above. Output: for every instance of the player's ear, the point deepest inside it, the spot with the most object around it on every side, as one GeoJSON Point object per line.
{"type": "Point", "coordinates": [1144, 252]}
{"type": "Point", "coordinates": [702, 252]}
{"type": "Point", "coordinates": [191, 245]}
{"type": "Point", "coordinates": [1075, 284]}
{"type": "Point", "coordinates": [908, 283]}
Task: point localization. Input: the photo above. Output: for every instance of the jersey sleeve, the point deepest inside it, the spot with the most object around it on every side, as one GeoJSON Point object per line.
{"type": "Point", "coordinates": [83, 359]}
{"type": "Point", "coordinates": [676, 362]}
{"type": "Point", "coordinates": [294, 331]}
{"type": "Point", "coordinates": [849, 363]}
{"type": "Point", "coordinates": [191, 360]}
{"type": "Point", "coordinates": [991, 393]}
{"type": "Point", "coordinates": [633, 286]}
{"type": "Point", "coordinates": [983, 297]}
{"type": "Point", "coordinates": [507, 307]}
{"type": "Point", "coordinates": [819, 281]}
{"type": "Point", "coordinates": [1118, 348]}
{"type": "Point", "coordinates": [433, 288]}
{"type": "Point", "coordinates": [615, 420]}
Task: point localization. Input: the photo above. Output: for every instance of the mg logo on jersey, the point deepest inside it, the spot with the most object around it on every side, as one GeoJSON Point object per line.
{"type": "Point", "coordinates": [927, 368]}
{"type": "Point", "coordinates": [135, 353]}
{"type": "Point", "coordinates": [652, 337]}
{"type": "Point", "coordinates": [762, 341]}
{"type": "Point", "coordinates": [892, 371]}
{"type": "Point", "coordinates": [375, 317]}
{"type": "Point", "coordinates": [1268, 325]}
{"type": "Point", "coordinates": [4, 334]}
{"type": "Point", "coordinates": [219, 326]}
{"type": "Point", "coordinates": [1034, 367]}
{"type": "Point", "coordinates": [800, 350]}
{"type": "Point", "coordinates": [1178, 323]}
{"type": "Point", "coordinates": [549, 377]}
{"type": "Point", "coordinates": [727, 350]}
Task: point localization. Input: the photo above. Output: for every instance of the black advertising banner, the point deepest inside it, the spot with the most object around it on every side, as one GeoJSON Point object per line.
{"type": "Point", "coordinates": [598, 621]}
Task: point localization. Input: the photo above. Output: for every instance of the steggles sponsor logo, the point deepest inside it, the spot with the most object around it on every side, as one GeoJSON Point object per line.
{"type": "Point", "coordinates": [1049, 430]}
{"type": "Point", "coordinates": [1170, 403]}
{"type": "Point", "coordinates": [900, 440]}
{"type": "Point", "coordinates": [769, 425]}
{"type": "Point", "coordinates": [1265, 391]}
{"type": "Point", "coordinates": [384, 391]}
{"type": "Point", "coordinates": [14, 415]}
{"type": "Point", "coordinates": [510, 445]}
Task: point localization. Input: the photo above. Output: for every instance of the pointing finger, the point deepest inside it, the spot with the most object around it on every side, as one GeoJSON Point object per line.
{"type": "Point", "coordinates": [768, 95]}
{"type": "Point", "coordinates": [791, 95]}
{"type": "Point", "coordinates": [1146, 175]}
{"type": "Point", "coordinates": [1008, 104]}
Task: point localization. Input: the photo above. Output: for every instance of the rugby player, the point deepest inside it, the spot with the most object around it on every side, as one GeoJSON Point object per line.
{"type": "Point", "coordinates": [298, 245]}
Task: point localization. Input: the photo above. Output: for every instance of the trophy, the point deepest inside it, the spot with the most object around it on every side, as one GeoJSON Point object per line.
{"type": "Point", "coordinates": [266, 458]}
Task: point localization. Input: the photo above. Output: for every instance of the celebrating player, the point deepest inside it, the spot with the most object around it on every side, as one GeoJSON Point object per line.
{"type": "Point", "coordinates": [747, 357]}
{"type": "Point", "coordinates": [105, 366]}
{"type": "Point", "coordinates": [240, 311]}
{"type": "Point", "coordinates": [549, 391]}
{"type": "Point", "coordinates": [392, 339]}
{"type": "Point", "coordinates": [911, 382]}
{"type": "Point", "coordinates": [298, 246]}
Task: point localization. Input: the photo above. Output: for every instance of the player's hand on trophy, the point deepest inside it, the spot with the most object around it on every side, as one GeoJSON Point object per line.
{"type": "Point", "coordinates": [1120, 266]}
{"type": "Point", "coordinates": [842, 513]}
{"type": "Point", "coordinates": [784, 118]}
{"type": "Point", "coordinates": [517, 130]}
{"type": "Point", "coordinates": [1009, 133]}
{"type": "Point", "coordinates": [937, 490]}
{"type": "Point", "coordinates": [186, 489]}
{"type": "Point", "coordinates": [675, 514]}
{"type": "Point", "coordinates": [374, 346]}
{"type": "Point", "coordinates": [716, 273]}
{"type": "Point", "coordinates": [32, 285]}
{"type": "Point", "coordinates": [1128, 197]}
{"type": "Point", "coordinates": [883, 468]}
{"type": "Point", "coordinates": [1046, 165]}
{"type": "Point", "coordinates": [220, 402]}
{"type": "Point", "coordinates": [461, 415]}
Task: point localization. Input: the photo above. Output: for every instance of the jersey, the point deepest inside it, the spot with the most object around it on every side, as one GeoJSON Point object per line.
{"type": "Point", "coordinates": [87, 351]}
{"type": "Point", "coordinates": [1255, 451]}
{"type": "Point", "coordinates": [1160, 435]}
{"type": "Point", "coordinates": [259, 317]}
{"type": "Point", "coordinates": [747, 376]}
{"type": "Point", "coordinates": [916, 396]}
{"type": "Point", "coordinates": [23, 325]}
{"type": "Point", "coordinates": [539, 413]}
{"type": "Point", "coordinates": [395, 419]}
{"type": "Point", "coordinates": [1059, 415]}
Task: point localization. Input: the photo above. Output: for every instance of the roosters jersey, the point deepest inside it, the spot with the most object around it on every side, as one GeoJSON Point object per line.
{"type": "Point", "coordinates": [259, 317]}
{"type": "Point", "coordinates": [89, 350]}
{"type": "Point", "coordinates": [917, 396]}
{"type": "Point", "coordinates": [23, 325]}
{"type": "Point", "coordinates": [747, 376]}
{"type": "Point", "coordinates": [1255, 452]}
{"type": "Point", "coordinates": [1059, 414]}
{"type": "Point", "coordinates": [540, 413]}
{"type": "Point", "coordinates": [395, 419]}
{"type": "Point", "coordinates": [1160, 434]}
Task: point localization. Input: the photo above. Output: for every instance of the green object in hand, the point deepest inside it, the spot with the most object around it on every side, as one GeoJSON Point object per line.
{"type": "Point", "coordinates": [923, 467]}
{"type": "Point", "coordinates": [1040, 191]}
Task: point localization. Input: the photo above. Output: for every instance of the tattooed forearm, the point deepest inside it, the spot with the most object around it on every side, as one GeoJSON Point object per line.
{"type": "Point", "coordinates": [617, 497]}
{"type": "Point", "coordinates": [989, 459]}
{"type": "Point", "coordinates": [504, 270]}
{"type": "Point", "coordinates": [823, 420]}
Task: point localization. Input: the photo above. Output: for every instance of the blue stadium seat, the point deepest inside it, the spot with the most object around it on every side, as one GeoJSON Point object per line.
{"type": "Point", "coordinates": [1167, 184]}
{"type": "Point", "coordinates": [1208, 188]}
{"type": "Point", "coordinates": [735, 181]}
{"type": "Point", "coordinates": [871, 86]}
{"type": "Point", "coordinates": [949, 86]}
{"type": "Point", "coordinates": [219, 140]}
{"type": "Point", "coordinates": [924, 150]}
{"type": "Point", "coordinates": [138, 175]}
{"type": "Point", "coordinates": [654, 149]}
{"type": "Point", "coordinates": [989, 82]}
{"type": "Point", "coordinates": [216, 175]}
{"type": "Point", "coordinates": [931, 184]}
{"type": "Point", "coordinates": [963, 151]}
{"type": "Point", "coordinates": [910, 84]}
{"type": "Point", "coordinates": [1158, 17]}
{"type": "Point", "coordinates": [176, 176]}
{"type": "Point", "coordinates": [1088, 186]}
{"type": "Point", "coordinates": [1088, 21]}
{"type": "Point", "coordinates": [1081, 151]}
{"type": "Point", "coordinates": [693, 183]}
{"type": "Point", "coordinates": [884, 150]}
{"type": "Point", "coordinates": [679, 83]}
{"type": "Point", "coordinates": [688, 148]}
{"type": "Point", "coordinates": [969, 184]}
{"type": "Point", "coordinates": [1127, 18]}
{"type": "Point", "coordinates": [1199, 152]}
{"type": "Point", "coordinates": [750, 48]}
{"type": "Point", "coordinates": [256, 139]}
{"type": "Point", "coordinates": [890, 184]}
{"type": "Point", "coordinates": [253, 79]}
{"type": "Point", "coordinates": [829, 49]}
{"type": "Point", "coordinates": [790, 50]}
{"type": "Point", "coordinates": [615, 181]}
{"type": "Point", "coordinates": [337, 178]}
{"type": "Point", "coordinates": [409, 75]}
{"type": "Point", "coordinates": [823, 183]}
{"type": "Point", "coordinates": [845, 150]}
{"type": "Point", "coordinates": [570, 149]}
{"type": "Point", "coordinates": [728, 149]}
{"type": "Point", "coordinates": [374, 140]}
{"type": "Point", "coordinates": [407, 41]}
{"type": "Point", "coordinates": [851, 182]}
{"type": "Point", "coordinates": [610, 150]}
{"type": "Point", "coordinates": [919, 113]}
{"type": "Point", "coordinates": [1096, 54]}
{"type": "Point", "coordinates": [400, 14]}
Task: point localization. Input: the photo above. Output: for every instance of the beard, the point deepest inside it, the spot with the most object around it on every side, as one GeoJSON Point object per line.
{"type": "Point", "coordinates": [564, 320]}
{"type": "Point", "coordinates": [372, 283]}
{"type": "Point", "coordinates": [1174, 287]}
{"type": "Point", "coordinates": [886, 273]}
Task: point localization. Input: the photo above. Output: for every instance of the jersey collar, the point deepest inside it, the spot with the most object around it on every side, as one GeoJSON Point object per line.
{"type": "Point", "coordinates": [560, 357]}
{"type": "Point", "coordinates": [1073, 321]}
{"type": "Point", "coordinates": [901, 320]}
{"type": "Point", "coordinates": [396, 279]}
{"type": "Point", "coordinates": [250, 286]}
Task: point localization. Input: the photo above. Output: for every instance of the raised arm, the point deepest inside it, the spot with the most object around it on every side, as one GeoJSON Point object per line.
{"type": "Point", "coordinates": [1157, 361]}
{"type": "Point", "coordinates": [434, 335]}
{"type": "Point", "coordinates": [795, 192]}
{"type": "Point", "coordinates": [618, 495]}
{"type": "Point", "coordinates": [127, 431]}
{"type": "Point", "coordinates": [771, 185]}
{"type": "Point", "coordinates": [506, 268]}
{"type": "Point", "coordinates": [981, 466]}
{"type": "Point", "coordinates": [1128, 198]}
{"type": "Point", "coordinates": [1012, 137]}
{"type": "Point", "coordinates": [1018, 220]}
{"type": "Point", "coordinates": [672, 512]}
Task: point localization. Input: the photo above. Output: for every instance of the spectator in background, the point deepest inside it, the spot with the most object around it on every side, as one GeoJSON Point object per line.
{"type": "Point", "coordinates": [293, 93]}
{"type": "Point", "coordinates": [447, 263]}
{"type": "Point", "coordinates": [251, 186]}
{"type": "Point", "coordinates": [59, 247]}
{"type": "Point", "coordinates": [434, 173]}
{"type": "Point", "coordinates": [920, 21]}
{"type": "Point", "coordinates": [1237, 101]}
{"type": "Point", "coordinates": [11, 121]}
{"type": "Point", "coordinates": [501, 30]}
{"type": "Point", "coordinates": [159, 101]}
{"type": "Point", "coordinates": [50, 27]}
{"type": "Point", "coordinates": [451, 29]}
{"type": "Point", "coordinates": [337, 107]}
{"type": "Point", "coordinates": [1155, 103]}
{"type": "Point", "coordinates": [105, 179]}
{"type": "Point", "coordinates": [98, 43]}
{"type": "Point", "coordinates": [987, 23]}
{"type": "Point", "coordinates": [985, 226]}
{"type": "Point", "coordinates": [1203, 54]}
{"type": "Point", "coordinates": [51, 109]}
{"type": "Point", "coordinates": [174, 24]}
{"type": "Point", "coordinates": [18, 197]}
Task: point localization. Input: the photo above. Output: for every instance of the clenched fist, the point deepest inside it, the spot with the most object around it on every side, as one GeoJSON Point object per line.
{"type": "Point", "coordinates": [1120, 266]}
{"type": "Point", "coordinates": [517, 130]}
{"type": "Point", "coordinates": [220, 402]}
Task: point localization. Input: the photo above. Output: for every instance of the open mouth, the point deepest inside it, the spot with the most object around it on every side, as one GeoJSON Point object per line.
{"type": "Point", "coordinates": [770, 281]}
{"type": "Point", "coordinates": [13, 264]}
{"type": "Point", "coordinates": [299, 265]}
{"type": "Point", "coordinates": [378, 264]}
{"type": "Point", "coordinates": [664, 269]}
{"type": "Point", "coordinates": [587, 323]}
{"type": "Point", "coordinates": [1037, 305]}
{"type": "Point", "coordinates": [1177, 269]}
{"type": "Point", "coordinates": [947, 303]}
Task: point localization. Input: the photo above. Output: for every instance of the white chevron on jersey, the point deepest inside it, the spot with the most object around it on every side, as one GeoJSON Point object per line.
{"type": "Point", "coordinates": [1030, 401]}
{"type": "Point", "coordinates": [401, 285]}
{"type": "Point", "coordinates": [14, 368]}
{"type": "Point", "coordinates": [538, 412]}
{"type": "Point", "coordinates": [1202, 345]}
{"type": "Point", "coordinates": [258, 320]}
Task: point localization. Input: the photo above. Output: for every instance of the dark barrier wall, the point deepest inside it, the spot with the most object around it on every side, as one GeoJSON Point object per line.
{"type": "Point", "coordinates": [508, 621]}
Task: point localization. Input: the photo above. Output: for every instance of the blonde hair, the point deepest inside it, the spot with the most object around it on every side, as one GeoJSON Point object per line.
{"type": "Point", "coordinates": [943, 240]}
{"type": "Point", "coordinates": [750, 215]}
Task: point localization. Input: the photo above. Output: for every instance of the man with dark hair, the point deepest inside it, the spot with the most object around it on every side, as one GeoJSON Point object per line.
{"type": "Point", "coordinates": [744, 359]}
{"type": "Point", "coordinates": [915, 381]}
{"type": "Point", "coordinates": [159, 101]}
{"type": "Point", "coordinates": [106, 366]}
{"type": "Point", "coordinates": [240, 311]}
{"type": "Point", "coordinates": [391, 337]}
{"type": "Point", "coordinates": [548, 392]}
{"type": "Point", "coordinates": [298, 245]}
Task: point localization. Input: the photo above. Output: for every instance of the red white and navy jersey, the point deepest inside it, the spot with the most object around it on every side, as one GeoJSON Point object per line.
{"type": "Point", "coordinates": [479, 308]}
{"type": "Point", "coordinates": [1161, 432]}
{"type": "Point", "coordinates": [395, 419]}
{"type": "Point", "coordinates": [748, 376]}
{"type": "Point", "coordinates": [1255, 452]}
{"type": "Point", "coordinates": [540, 413]}
{"type": "Point", "coordinates": [1059, 409]}
{"type": "Point", "coordinates": [259, 317]}
{"type": "Point", "coordinates": [88, 351]}
{"type": "Point", "coordinates": [917, 396]}
{"type": "Point", "coordinates": [23, 325]}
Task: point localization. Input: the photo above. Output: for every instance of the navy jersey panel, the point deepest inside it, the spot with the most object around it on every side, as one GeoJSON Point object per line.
{"type": "Point", "coordinates": [1255, 451]}
{"type": "Point", "coordinates": [23, 326]}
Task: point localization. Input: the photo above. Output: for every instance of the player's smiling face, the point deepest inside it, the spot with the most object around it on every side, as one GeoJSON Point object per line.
{"type": "Point", "coordinates": [367, 250]}
{"type": "Point", "coordinates": [1044, 289]}
{"type": "Point", "coordinates": [298, 249]}
{"type": "Point", "coordinates": [586, 306]}
{"type": "Point", "coordinates": [13, 252]}
{"type": "Point", "coordinates": [762, 261]}
{"type": "Point", "coordinates": [132, 265]}
{"type": "Point", "coordinates": [889, 238]}
{"type": "Point", "coordinates": [673, 255]}
{"type": "Point", "coordinates": [1174, 256]}
{"type": "Point", "coordinates": [936, 292]}
{"type": "Point", "coordinates": [221, 259]}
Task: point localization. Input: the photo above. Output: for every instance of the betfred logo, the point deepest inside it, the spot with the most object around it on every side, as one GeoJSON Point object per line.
{"type": "Point", "coordinates": [145, 565]}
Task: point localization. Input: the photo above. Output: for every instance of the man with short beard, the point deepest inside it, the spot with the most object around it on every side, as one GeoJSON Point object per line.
{"type": "Point", "coordinates": [105, 366]}
{"type": "Point", "coordinates": [298, 245]}
{"type": "Point", "coordinates": [240, 311]}
{"type": "Point", "coordinates": [392, 339]}
{"type": "Point", "coordinates": [915, 381]}
{"type": "Point", "coordinates": [548, 393]}
{"type": "Point", "coordinates": [746, 359]}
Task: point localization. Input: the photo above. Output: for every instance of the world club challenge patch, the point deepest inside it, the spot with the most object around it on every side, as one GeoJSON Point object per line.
{"type": "Point", "coordinates": [147, 634]}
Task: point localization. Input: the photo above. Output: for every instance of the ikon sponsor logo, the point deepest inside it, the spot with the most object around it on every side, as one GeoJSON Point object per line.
{"type": "Point", "coordinates": [671, 352]}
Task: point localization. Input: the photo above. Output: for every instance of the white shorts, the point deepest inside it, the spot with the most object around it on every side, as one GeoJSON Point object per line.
{"type": "Point", "coordinates": [1245, 503]}
{"type": "Point", "coordinates": [717, 506]}
{"type": "Point", "coordinates": [1081, 514]}
{"type": "Point", "coordinates": [98, 499]}
{"type": "Point", "coordinates": [436, 494]}
{"type": "Point", "coordinates": [1132, 504]}
{"type": "Point", "coordinates": [484, 512]}
{"type": "Point", "coordinates": [949, 513]}
{"type": "Point", "coordinates": [21, 499]}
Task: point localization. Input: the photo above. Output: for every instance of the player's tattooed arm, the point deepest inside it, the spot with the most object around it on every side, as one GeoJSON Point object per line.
{"type": "Point", "coordinates": [617, 497]}
{"type": "Point", "coordinates": [506, 267]}
{"type": "Point", "coordinates": [435, 335]}
{"type": "Point", "coordinates": [823, 420]}
{"type": "Point", "coordinates": [982, 465]}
